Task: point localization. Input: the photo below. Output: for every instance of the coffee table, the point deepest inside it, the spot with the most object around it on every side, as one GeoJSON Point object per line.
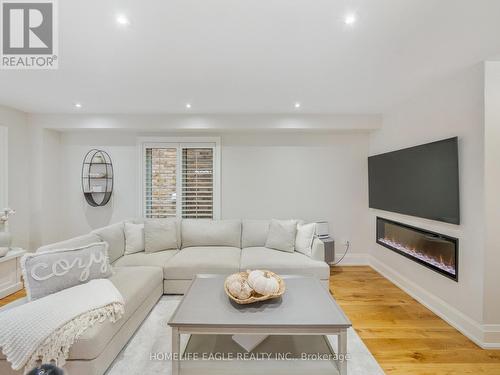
{"type": "Point", "coordinates": [306, 308]}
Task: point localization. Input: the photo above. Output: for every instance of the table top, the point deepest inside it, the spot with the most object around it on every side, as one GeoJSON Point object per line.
{"type": "Point", "coordinates": [305, 304]}
{"type": "Point", "coordinates": [14, 252]}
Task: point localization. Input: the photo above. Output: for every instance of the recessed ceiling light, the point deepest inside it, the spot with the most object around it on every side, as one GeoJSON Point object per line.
{"type": "Point", "coordinates": [188, 105]}
{"type": "Point", "coordinates": [78, 105]}
{"type": "Point", "coordinates": [350, 19]}
{"type": "Point", "coordinates": [121, 19]}
{"type": "Point", "coordinates": [297, 105]}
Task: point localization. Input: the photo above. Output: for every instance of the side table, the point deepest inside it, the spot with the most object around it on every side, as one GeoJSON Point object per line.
{"type": "Point", "coordinates": [10, 272]}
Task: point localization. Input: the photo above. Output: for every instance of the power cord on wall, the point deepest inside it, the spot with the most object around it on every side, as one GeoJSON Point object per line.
{"type": "Point", "coordinates": [348, 245]}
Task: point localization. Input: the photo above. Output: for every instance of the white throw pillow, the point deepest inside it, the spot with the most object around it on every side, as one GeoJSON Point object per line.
{"type": "Point", "coordinates": [114, 235]}
{"type": "Point", "coordinates": [160, 234]}
{"type": "Point", "coordinates": [281, 235]}
{"type": "Point", "coordinates": [134, 238]}
{"type": "Point", "coordinates": [304, 238]}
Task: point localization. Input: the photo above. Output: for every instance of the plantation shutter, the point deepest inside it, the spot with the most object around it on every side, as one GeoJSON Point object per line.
{"type": "Point", "coordinates": [198, 183]}
{"type": "Point", "coordinates": [160, 182]}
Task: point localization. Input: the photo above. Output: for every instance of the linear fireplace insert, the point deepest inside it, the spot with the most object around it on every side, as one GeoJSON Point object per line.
{"type": "Point", "coordinates": [433, 250]}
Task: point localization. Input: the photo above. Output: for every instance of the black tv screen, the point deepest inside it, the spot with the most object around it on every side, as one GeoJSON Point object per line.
{"type": "Point", "coordinates": [419, 181]}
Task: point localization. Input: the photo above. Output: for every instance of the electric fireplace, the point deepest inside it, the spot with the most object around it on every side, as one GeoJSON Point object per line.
{"type": "Point", "coordinates": [433, 250]}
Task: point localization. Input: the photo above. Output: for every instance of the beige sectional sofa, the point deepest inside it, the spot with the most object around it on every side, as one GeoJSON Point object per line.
{"type": "Point", "coordinates": [221, 247]}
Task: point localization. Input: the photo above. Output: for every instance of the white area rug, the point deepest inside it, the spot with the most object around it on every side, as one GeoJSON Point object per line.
{"type": "Point", "coordinates": [154, 336]}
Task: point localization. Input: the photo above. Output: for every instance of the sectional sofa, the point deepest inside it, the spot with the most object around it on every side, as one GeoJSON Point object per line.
{"type": "Point", "coordinates": [205, 246]}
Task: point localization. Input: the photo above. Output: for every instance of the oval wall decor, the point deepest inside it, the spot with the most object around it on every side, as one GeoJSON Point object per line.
{"type": "Point", "coordinates": [97, 178]}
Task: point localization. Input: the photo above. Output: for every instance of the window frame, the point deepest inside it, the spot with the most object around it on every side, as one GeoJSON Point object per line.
{"type": "Point", "coordinates": [179, 143]}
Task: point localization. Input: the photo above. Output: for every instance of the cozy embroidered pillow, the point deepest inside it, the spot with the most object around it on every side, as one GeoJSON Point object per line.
{"type": "Point", "coordinates": [54, 270]}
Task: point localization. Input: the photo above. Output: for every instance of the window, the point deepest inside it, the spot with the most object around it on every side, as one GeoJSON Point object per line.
{"type": "Point", "coordinates": [197, 183]}
{"type": "Point", "coordinates": [180, 179]}
{"type": "Point", "coordinates": [161, 182]}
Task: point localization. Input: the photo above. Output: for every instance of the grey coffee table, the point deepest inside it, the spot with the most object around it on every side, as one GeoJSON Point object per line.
{"type": "Point", "coordinates": [306, 308]}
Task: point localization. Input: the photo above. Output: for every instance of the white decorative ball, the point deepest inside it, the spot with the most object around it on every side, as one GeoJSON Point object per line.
{"type": "Point", "coordinates": [253, 276]}
{"type": "Point", "coordinates": [263, 283]}
{"type": "Point", "coordinates": [238, 287]}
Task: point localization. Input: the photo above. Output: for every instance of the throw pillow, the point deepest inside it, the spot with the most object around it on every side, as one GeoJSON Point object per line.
{"type": "Point", "coordinates": [254, 233]}
{"type": "Point", "coordinates": [114, 235]}
{"type": "Point", "coordinates": [134, 238]}
{"type": "Point", "coordinates": [304, 238]}
{"type": "Point", "coordinates": [54, 270]}
{"type": "Point", "coordinates": [160, 235]}
{"type": "Point", "coordinates": [281, 235]}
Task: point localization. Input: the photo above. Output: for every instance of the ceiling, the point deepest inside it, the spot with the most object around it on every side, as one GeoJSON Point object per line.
{"type": "Point", "coordinates": [253, 56]}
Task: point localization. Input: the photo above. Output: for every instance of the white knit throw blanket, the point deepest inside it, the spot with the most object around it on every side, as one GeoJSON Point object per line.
{"type": "Point", "coordinates": [46, 328]}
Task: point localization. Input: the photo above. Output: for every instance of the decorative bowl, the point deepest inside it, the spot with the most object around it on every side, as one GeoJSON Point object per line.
{"type": "Point", "coordinates": [256, 297]}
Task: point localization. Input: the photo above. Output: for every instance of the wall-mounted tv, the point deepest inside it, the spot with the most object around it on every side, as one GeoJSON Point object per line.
{"type": "Point", "coordinates": [418, 181]}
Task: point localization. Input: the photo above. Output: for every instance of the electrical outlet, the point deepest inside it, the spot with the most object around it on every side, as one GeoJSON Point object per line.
{"type": "Point", "coordinates": [344, 241]}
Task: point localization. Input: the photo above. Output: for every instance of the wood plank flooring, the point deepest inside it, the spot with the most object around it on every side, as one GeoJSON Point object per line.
{"type": "Point", "coordinates": [405, 337]}
{"type": "Point", "coordinates": [12, 297]}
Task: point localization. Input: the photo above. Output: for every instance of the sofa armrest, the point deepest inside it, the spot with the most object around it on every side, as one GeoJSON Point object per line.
{"type": "Point", "coordinates": [318, 250]}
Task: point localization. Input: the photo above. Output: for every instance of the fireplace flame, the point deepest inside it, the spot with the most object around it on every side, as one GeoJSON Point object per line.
{"type": "Point", "coordinates": [439, 263]}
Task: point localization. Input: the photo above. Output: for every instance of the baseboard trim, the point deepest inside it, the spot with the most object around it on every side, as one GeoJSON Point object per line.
{"type": "Point", "coordinates": [354, 259]}
{"type": "Point", "coordinates": [491, 336]}
{"type": "Point", "coordinates": [485, 336]}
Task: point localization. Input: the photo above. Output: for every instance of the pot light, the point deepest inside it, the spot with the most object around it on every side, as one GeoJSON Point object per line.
{"type": "Point", "coordinates": [297, 105]}
{"type": "Point", "coordinates": [350, 19]}
{"type": "Point", "coordinates": [78, 105]}
{"type": "Point", "coordinates": [188, 105]}
{"type": "Point", "coordinates": [121, 19]}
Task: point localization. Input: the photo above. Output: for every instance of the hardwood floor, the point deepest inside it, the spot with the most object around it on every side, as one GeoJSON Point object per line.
{"type": "Point", "coordinates": [403, 335]}
{"type": "Point", "coordinates": [12, 297]}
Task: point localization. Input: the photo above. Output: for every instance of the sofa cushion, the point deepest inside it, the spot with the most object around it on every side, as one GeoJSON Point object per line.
{"type": "Point", "coordinates": [158, 259]}
{"type": "Point", "coordinates": [160, 234]}
{"type": "Point", "coordinates": [304, 238]}
{"type": "Point", "coordinates": [177, 222]}
{"type": "Point", "coordinates": [114, 235]}
{"type": "Point", "coordinates": [134, 237]}
{"type": "Point", "coordinates": [72, 243]}
{"type": "Point", "coordinates": [196, 232]}
{"type": "Point", "coordinates": [193, 260]}
{"type": "Point", "coordinates": [281, 235]}
{"type": "Point", "coordinates": [254, 232]}
{"type": "Point", "coordinates": [135, 284]}
{"type": "Point", "coordinates": [283, 263]}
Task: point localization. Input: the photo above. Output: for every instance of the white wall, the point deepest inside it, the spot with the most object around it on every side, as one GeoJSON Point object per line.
{"type": "Point", "coordinates": [320, 176]}
{"type": "Point", "coordinates": [492, 199]}
{"type": "Point", "coordinates": [453, 107]}
{"type": "Point", "coordinates": [4, 166]}
{"type": "Point", "coordinates": [78, 217]}
{"type": "Point", "coordinates": [19, 178]}
{"type": "Point", "coordinates": [45, 169]}
{"type": "Point", "coordinates": [309, 176]}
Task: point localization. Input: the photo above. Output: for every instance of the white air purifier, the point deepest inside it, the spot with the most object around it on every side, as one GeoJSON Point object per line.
{"type": "Point", "coordinates": [322, 229]}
